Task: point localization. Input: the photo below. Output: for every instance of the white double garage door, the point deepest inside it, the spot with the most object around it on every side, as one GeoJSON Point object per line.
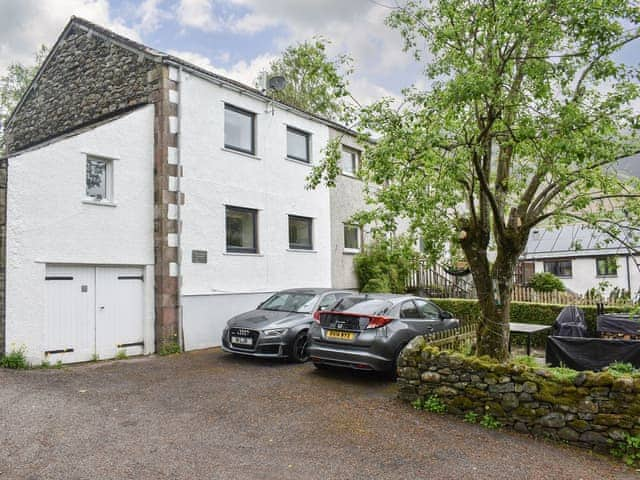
{"type": "Point", "coordinates": [93, 312]}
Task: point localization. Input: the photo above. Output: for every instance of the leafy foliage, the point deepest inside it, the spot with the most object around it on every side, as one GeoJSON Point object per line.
{"type": "Point", "coordinates": [546, 282]}
{"type": "Point", "coordinates": [563, 374]}
{"type": "Point", "coordinates": [620, 369]}
{"type": "Point", "coordinates": [525, 113]}
{"type": "Point", "coordinates": [14, 84]}
{"type": "Point", "coordinates": [384, 265]}
{"type": "Point", "coordinates": [430, 404]}
{"type": "Point", "coordinates": [471, 417]}
{"type": "Point", "coordinates": [315, 82]}
{"type": "Point", "coordinates": [169, 348]}
{"type": "Point", "coordinates": [527, 361]}
{"type": "Point", "coordinates": [628, 450]}
{"type": "Point", "coordinates": [15, 359]}
{"type": "Point", "coordinates": [488, 421]}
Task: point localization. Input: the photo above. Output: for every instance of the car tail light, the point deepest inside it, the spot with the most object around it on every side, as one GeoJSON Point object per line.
{"type": "Point", "coordinates": [377, 322]}
{"type": "Point", "coordinates": [316, 316]}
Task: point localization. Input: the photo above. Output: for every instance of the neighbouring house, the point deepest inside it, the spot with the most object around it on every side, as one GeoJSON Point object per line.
{"type": "Point", "coordinates": [148, 200]}
{"type": "Point", "coordinates": [582, 258]}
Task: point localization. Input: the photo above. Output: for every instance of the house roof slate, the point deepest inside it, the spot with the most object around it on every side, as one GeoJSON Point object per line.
{"type": "Point", "coordinates": [572, 241]}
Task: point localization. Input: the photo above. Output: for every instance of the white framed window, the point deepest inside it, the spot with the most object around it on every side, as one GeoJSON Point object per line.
{"type": "Point", "coordinates": [351, 238]}
{"type": "Point", "coordinates": [298, 145]}
{"type": "Point", "coordinates": [99, 179]}
{"type": "Point", "coordinates": [242, 229]}
{"type": "Point", "coordinates": [350, 161]}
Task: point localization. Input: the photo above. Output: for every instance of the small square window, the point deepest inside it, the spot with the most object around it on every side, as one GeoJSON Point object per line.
{"type": "Point", "coordinates": [300, 233]}
{"type": "Point", "coordinates": [242, 235]}
{"type": "Point", "coordinates": [298, 145]}
{"type": "Point", "coordinates": [351, 237]}
{"type": "Point", "coordinates": [350, 161]}
{"type": "Point", "coordinates": [239, 129]}
{"type": "Point", "coordinates": [99, 178]}
{"type": "Point", "coordinates": [606, 266]}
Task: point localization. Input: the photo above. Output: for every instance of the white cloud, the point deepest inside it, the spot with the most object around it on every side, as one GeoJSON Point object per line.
{"type": "Point", "coordinates": [242, 71]}
{"type": "Point", "coordinates": [198, 14]}
{"type": "Point", "coordinates": [355, 27]}
{"type": "Point", "coordinates": [150, 15]}
{"type": "Point", "coordinates": [27, 24]}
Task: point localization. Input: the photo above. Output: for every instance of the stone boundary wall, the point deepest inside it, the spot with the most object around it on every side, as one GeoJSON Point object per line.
{"type": "Point", "coordinates": [594, 410]}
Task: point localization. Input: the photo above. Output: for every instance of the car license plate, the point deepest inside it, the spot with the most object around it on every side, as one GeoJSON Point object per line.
{"type": "Point", "coordinates": [340, 335]}
{"type": "Point", "coordinates": [242, 340]}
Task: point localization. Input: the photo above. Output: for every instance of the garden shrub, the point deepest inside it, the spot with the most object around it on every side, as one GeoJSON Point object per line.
{"type": "Point", "coordinates": [15, 359]}
{"type": "Point", "coordinates": [385, 264]}
{"type": "Point", "coordinates": [546, 282]}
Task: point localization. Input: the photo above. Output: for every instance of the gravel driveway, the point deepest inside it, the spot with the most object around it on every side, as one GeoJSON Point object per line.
{"type": "Point", "coordinates": [211, 415]}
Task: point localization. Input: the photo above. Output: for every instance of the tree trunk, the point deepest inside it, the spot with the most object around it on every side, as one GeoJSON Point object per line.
{"type": "Point", "coordinates": [493, 284]}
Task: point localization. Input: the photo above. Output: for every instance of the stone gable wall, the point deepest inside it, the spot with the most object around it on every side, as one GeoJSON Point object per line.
{"type": "Point", "coordinates": [593, 410]}
{"type": "Point", "coordinates": [87, 79]}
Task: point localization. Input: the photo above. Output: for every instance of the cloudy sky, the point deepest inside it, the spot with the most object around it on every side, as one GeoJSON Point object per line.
{"type": "Point", "coordinates": [237, 38]}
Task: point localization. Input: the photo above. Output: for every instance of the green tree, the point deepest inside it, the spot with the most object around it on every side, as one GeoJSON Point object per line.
{"type": "Point", "coordinates": [524, 116]}
{"type": "Point", "coordinates": [14, 84]}
{"type": "Point", "coordinates": [315, 82]}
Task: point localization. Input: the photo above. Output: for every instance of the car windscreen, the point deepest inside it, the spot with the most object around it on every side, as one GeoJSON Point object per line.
{"type": "Point", "coordinates": [290, 302]}
{"type": "Point", "coordinates": [370, 307]}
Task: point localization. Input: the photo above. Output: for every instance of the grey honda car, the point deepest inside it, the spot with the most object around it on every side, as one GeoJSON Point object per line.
{"type": "Point", "coordinates": [367, 332]}
{"type": "Point", "coordinates": [278, 327]}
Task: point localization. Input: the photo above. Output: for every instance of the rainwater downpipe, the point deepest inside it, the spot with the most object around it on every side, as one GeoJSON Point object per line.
{"type": "Point", "coordinates": [179, 214]}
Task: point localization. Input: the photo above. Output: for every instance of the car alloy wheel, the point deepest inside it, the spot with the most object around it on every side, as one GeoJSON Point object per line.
{"type": "Point", "coordinates": [299, 349]}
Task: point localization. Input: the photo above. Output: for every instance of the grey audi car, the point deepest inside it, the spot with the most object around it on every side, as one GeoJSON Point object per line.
{"type": "Point", "coordinates": [367, 332]}
{"type": "Point", "coordinates": [278, 327]}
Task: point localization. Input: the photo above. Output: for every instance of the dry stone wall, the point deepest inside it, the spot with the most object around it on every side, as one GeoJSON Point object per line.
{"type": "Point", "coordinates": [592, 410]}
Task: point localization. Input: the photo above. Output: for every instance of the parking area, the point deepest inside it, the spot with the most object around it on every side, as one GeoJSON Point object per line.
{"type": "Point", "coordinates": [211, 415]}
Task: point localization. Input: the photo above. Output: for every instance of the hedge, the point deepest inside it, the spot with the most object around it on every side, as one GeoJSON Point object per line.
{"type": "Point", "coordinates": [523, 312]}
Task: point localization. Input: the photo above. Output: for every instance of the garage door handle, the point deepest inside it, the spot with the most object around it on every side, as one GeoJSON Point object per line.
{"type": "Point", "coordinates": [101, 307]}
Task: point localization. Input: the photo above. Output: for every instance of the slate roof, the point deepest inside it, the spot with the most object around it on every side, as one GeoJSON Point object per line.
{"type": "Point", "coordinates": [571, 241]}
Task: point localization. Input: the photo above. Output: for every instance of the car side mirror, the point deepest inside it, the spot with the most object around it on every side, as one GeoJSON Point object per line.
{"type": "Point", "coordinates": [444, 315]}
{"type": "Point", "coordinates": [322, 308]}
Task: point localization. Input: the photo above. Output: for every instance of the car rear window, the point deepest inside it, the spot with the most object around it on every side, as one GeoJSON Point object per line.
{"type": "Point", "coordinates": [369, 307]}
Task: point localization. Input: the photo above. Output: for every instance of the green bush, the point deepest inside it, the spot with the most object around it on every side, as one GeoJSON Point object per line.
{"type": "Point", "coordinates": [432, 404]}
{"type": "Point", "coordinates": [628, 450]}
{"type": "Point", "coordinates": [385, 264]}
{"type": "Point", "coordinates": [546, 282]}
{"type": "Point", "coordinates": [15, 359]}
{"type": "Point", "coordinates": [522, 312]}
{"type": "Point", "coordinates": [169, 348]}
{"type": "Point", "coordinates": [620, 369]}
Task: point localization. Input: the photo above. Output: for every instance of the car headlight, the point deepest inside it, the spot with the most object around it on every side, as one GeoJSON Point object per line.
{"type": "Point", "coordinates": [274, 332]}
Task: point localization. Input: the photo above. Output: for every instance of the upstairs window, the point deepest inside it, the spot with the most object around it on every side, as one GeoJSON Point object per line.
{"type": "Point", "coordinates": [560, 268]}
{"type": "Point", "coordinates": [239, 129]}
{"type": "Point", "coordinates": [350, 161]}
{"type": "Point", "coordinates": [300, 233]}
{"type": "Point", "coordinates": [241, 224]}
{"type": "Point", "coordinates": [351, 238]}
{"type": "Point", "coordinates": [298, 145]}
{"type": "Point", "coordinates": [606, 266]}
{"type": "Point", "coordinates": [99, 178]}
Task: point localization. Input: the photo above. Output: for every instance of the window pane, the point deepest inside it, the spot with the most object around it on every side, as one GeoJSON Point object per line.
{"type": "Point", "coordinates": [300, 233]}
{"type": "Point", "coordinates": [560, 268]}
{"type": "Point", "coordinates": [238, 129]}
{"type": "Point", "coordinates": [349, 161]}
{"type": "Point", "coordinates": [96, 178]}
{"type": "Point", "coordinates": [241, 230]}
{"type": "Point", "coordinates": [606, 266]}
{"type": "Point", "coordinates": [297, 145]}
{"type": "Point", "coordinates": [351, 237]}
{"type": "Point", "coordinates": [428, 310]}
